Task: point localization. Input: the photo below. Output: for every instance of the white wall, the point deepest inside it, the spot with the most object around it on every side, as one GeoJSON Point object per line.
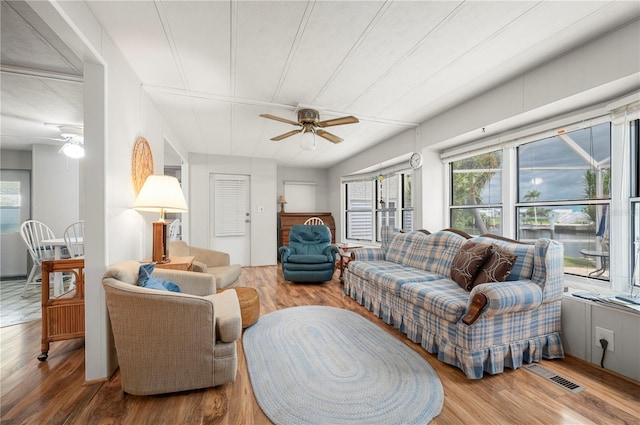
{"type": "Point", "coordinates": [314, 175]}
{"type": "Point", "coordinates": [262, 173]}
{"type": "Point", "coordinates": [55, 186]}
{"type": "Point", "coordinates": [603, 69]}
{"type": "Point", "coordinates": [15, 160]}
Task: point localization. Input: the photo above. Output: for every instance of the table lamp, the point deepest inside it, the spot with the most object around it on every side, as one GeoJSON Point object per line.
{"type": "Point", "coordinates": [163, 194]}
{"type": "Point", "coordinates": [281, 201]}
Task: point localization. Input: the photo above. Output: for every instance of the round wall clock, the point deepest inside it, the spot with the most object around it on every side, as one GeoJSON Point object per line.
{"type": "Point", "coordinates": [416, 160]}
{"type": "Point", "coordinates": [141, 163]}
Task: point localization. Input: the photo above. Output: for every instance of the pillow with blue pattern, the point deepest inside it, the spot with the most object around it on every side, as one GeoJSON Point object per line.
{"type": "Point", "coordinates": [147, 281]}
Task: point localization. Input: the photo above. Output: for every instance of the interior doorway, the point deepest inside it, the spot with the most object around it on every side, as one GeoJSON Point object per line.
{"type": "Point", "coordinates": [230, 216]}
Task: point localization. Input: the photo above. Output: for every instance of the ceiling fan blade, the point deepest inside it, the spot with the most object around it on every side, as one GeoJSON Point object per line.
{"type": "Point", "coordinates": [330, 137]}
{"type": "Point", "coordinates": [338, 121]}
{"type": "Point", "coordinates": [273, 117]}
{"type": "Point", "coordinates": [33, 137]}
{"type": "Point", "coordinates": [285, 135]}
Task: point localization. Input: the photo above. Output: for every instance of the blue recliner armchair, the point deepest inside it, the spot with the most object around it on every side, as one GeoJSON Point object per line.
{"type": "Point", "coordinates": [310, 257]}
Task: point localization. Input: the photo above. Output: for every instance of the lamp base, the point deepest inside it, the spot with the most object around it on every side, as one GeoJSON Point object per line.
{"type": "Point", "coordinates": [160, 242]}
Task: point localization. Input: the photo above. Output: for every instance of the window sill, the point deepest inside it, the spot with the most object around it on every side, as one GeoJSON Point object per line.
{"type": "Point", "coordinates": [592, 285]}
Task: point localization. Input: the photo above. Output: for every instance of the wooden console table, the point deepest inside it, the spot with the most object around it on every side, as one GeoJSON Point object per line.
{"type": "Point", "coordinates": [62, 315]}
{"type": "Point", "coordinates": [287, 220]}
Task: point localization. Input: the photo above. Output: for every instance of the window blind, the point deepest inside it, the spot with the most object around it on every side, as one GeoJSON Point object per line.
{"type": "Point", "coordinates": [230, 208]}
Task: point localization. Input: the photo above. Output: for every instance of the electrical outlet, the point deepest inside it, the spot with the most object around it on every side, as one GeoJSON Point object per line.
{"type": "Point", "coordinates": [602, 333]}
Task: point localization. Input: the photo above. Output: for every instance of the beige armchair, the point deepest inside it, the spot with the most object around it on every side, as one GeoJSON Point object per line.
{"type": "Point", "coordinates": [209, 261]}
{"type": "Point", "coordinates": [169, 341]}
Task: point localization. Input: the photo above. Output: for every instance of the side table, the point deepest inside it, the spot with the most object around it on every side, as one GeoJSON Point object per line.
{"type": "Point", "coordinates": [175, 263]}
{"type": "Point", "coordinates": [345, 256]}
{"type": "Point", "coordinates": [249, 304]}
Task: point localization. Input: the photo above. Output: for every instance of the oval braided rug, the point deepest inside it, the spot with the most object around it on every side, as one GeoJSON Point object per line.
{"type": "Point", "coordinates": [325, 365]}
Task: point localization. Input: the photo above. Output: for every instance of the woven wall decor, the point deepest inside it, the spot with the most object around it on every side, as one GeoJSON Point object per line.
{"type": "Point", "coordinates": [141, 163]}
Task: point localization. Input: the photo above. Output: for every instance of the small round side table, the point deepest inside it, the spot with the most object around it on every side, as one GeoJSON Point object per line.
{"type": "Point", "coordinates": [249, 304]}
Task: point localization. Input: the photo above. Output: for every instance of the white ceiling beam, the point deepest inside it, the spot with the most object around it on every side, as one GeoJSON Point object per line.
{"type": "Point", "coordinates": [37, 73]}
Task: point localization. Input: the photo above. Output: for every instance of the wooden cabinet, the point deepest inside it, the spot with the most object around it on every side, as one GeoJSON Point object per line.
{"type": "Point", "coordinates": [287, 220]}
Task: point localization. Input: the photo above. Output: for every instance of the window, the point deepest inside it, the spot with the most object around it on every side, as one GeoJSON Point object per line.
{"type": "Point", "coordinates": [407, 202]}
{"type": "Point", "coordinates": [635, 208]}
{"type": "Point", "coordinates": [14, 199]}
{"type": "Point", "coordinates": [358, 212]}
{"type": "Point", "coordinates": [387, 194]}
{"type": "Point", "coordinates": [476, 200]}
{"type": "Point", "coordinates": [388, 198]}
{"type": "Point", "coordinates": [564, 194]}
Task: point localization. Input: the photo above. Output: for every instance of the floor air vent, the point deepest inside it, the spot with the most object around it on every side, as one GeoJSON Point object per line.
{"type": "Point", "coordinates": [555, 378]}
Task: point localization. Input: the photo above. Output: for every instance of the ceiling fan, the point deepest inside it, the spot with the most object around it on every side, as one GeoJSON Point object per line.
{"type": "Point", "coordinates": [309, 123]}
{"type": "Point", "coordinates": [73, 136]}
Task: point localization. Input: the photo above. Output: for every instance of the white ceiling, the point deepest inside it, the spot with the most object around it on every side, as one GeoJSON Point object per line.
{"type": "Point", "coordinates": [212, 67]}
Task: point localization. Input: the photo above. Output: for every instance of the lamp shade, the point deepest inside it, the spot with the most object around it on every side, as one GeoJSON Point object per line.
{"type": "Point", "coordinates": [161, 193]}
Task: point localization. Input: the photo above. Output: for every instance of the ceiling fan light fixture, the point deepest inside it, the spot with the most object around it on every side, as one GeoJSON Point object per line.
{"type": "Point", "coordinates": [73, 150]}
{"type": "Point", "coordinates": [308, 140]}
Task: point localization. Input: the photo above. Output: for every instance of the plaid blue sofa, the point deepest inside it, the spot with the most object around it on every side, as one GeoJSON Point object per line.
{"type": "Point", "coordinates": [407, 283]}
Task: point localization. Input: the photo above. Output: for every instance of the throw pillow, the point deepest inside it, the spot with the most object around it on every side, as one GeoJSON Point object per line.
{"type": "Point", "coordinates": [147, 281]}
{"type": "Point", "coordinates": [467, 263]}
{"type": "Point", "coordinates": [497, 267]}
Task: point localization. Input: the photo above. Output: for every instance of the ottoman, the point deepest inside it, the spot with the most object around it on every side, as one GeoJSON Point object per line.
{"type": "Point", "coordinates": [249, 304]}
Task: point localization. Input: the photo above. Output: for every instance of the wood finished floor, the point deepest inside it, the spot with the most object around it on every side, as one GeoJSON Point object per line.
{"type": "Point", "coordinates": [53, 392]}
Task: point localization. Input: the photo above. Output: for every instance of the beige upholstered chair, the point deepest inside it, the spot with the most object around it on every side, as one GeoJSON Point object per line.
{"type": "Point", "coordinates": [169, 341]}
{"type": "Point", "coordinates": [216, 263]}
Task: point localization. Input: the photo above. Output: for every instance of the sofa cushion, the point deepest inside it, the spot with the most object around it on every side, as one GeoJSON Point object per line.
{"type": "Point", "coordinates": [523, 266]}
{"type": "Point", "coordinates": [392, 280]}
{"type": "Point", "coordinates": [364, 269]}
{"type": "Point", "coordinates": [150, 282]}
{"type": "Point", "coordinates": [226, 276]}
{"type": "Point", "coordinates": [443, 298]}
{"type": "Point", "coordinates": [496, 268]}
{"type": "Point", "coordinates": [433, 253]}
{"type": "Point", "coordinates": [386, 234]}
{"type": "Point", "coordinates": [467, 262]}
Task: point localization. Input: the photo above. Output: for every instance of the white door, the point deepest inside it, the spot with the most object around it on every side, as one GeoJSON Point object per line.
{"type": "Point", "coordinates": [230, 216]}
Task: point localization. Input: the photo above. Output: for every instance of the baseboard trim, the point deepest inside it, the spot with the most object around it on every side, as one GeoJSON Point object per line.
{"type": "Point", "coordinates": [95, 381]}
